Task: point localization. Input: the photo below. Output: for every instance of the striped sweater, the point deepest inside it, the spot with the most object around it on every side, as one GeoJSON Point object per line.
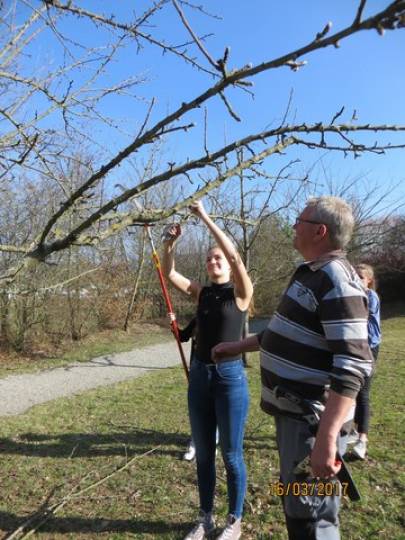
{"type": "Point", "coordinates": [317, 338]}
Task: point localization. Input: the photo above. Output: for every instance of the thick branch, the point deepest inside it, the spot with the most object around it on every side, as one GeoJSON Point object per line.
{"type": "Point", "coordinates": [199, 163]}
{"type": "Point", "coordinates": [153, 216]}
{"type": "Point", "coordinates": [14, 249]}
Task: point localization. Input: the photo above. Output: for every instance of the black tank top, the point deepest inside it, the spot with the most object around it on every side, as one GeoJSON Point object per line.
{"type": "Point", "coordinates": [218, 319]}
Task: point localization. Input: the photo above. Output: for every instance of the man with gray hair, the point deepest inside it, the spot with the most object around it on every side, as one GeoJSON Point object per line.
{"type": "Point", "coordinates": [314, 356]}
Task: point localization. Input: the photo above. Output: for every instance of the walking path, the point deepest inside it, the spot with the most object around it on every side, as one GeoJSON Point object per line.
{"type": "Point", "coordinates": [20, 392]}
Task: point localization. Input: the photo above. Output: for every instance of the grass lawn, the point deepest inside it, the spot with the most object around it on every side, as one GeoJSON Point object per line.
{"type": "Point", "coordinates": [63, 446]}
{"type": "Point", "coordinates": [102, 343]}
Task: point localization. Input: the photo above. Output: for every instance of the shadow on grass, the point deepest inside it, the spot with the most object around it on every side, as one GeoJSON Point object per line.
{"type": "Point", "coordinates": [260, 442]}
{"type": "Point", "coordinates": [76, 524]}
{"type": "Point", "coordinates": [352, 458]}
{"type": "Point", "coordinates": [118, 443]}
{"type": "Point", "coordinates": [79, 445]}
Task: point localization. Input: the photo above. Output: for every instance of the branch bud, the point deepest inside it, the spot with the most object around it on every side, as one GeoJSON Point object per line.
{"type": "Point", "coordinates": [326, 29]}
{"type": "Point", "coordinates": [380, 29]}
{"type": "Point", "coordinates": [295, 66]}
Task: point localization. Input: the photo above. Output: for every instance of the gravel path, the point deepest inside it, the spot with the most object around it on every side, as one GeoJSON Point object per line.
{"type": "Point", "coordinates": [20, 392]}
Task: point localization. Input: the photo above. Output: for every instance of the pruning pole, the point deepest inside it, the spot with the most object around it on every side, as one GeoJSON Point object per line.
{"type": "Point", "coordinates": [173, 321]}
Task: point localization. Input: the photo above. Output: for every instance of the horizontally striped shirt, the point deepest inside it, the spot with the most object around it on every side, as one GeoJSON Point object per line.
{"type": "Point", "coordinates": [317, 338]}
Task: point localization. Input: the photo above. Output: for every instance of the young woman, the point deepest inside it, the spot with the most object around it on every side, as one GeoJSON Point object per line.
{"type": "Point", "coordinates": [218, 393]}
{"type": "Point", "coordinates": [359, 437]}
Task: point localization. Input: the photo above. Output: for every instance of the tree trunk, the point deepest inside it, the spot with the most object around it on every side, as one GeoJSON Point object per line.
{"type": "Point", "coordinates": [136, 283]}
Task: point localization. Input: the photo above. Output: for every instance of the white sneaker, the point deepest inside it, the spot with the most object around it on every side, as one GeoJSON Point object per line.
{"type": "Point", "coordinates": [232, 529]}
{"type": "Point", "coordinates": [353, 437]}
{"type": "Point", "coordinates": [360, 449]}
{"type": "Point", "coordinates": [189, 454]}
{"type": "Point", "coordinates": [205, 526]}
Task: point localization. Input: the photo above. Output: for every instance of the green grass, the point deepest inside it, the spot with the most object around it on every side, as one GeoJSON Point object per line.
{"type": "Point", "coordinates": [48, 451]}
{"type": "Point", "coordinates": [107, 342]}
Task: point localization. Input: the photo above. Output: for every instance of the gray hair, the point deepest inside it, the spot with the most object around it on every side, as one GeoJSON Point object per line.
{"type": "Point", "coordinates": [337, 214]}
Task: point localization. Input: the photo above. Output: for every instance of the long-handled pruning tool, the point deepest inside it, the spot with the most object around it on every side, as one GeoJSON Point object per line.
{"type": "Point", "coordinates": [173, 321]}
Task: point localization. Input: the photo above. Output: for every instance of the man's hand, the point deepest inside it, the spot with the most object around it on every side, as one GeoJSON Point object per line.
{"type": "Point", "coordinates": [224, 350]}
{"type": "Point", "coordinates": [234, 348]}
{"type": "Point", "coordinates": [323, 458]}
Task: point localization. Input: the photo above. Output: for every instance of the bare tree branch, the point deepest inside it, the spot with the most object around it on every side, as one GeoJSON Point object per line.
{"type": "Point", "coordinates": [132, 29]}
{"type": "Point", "coordinates": [359, 13]}
{"type": "Point", "coordinates": [196, 40]}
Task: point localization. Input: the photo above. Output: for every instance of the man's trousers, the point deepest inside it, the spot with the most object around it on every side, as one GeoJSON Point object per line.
{"type": "Point", "coordinates": [311, 507]}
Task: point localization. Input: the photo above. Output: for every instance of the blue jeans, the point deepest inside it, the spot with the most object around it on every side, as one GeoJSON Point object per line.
{"type": "Point", "coordinates": [218, 395]}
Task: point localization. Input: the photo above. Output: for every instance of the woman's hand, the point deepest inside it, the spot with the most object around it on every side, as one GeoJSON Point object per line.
{"type": "Point", "coordinates": [197, 208]}
{"type": "Point", "coordinates": [171, 233]}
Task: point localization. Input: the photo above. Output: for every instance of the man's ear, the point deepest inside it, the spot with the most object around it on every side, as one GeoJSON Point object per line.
{"type": "Point", "coordinates": [322, 231]}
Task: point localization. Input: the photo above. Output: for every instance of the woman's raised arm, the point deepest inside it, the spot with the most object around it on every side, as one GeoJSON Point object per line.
{"type": "Point", "coordinates": [243, 284]}
{"type": "Point", "coordinates": [180, 282]}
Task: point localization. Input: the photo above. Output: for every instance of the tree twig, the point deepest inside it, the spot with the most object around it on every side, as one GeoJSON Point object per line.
{"type": "Point", "coordinates": [196, 40]}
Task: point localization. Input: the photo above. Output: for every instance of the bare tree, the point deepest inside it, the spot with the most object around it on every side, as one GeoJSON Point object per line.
{"type": "Point", "coordinates": [71, 100]}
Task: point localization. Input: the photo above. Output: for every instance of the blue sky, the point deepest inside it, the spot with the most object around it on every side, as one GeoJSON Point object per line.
{"type": "Point", "coordinates": [366, 74]}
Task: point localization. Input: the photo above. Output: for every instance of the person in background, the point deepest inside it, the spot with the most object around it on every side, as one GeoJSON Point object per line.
{"type": "Point", "coordinates": [217, 393]}
{"type": "Point", "coordinates": [359, 437]}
